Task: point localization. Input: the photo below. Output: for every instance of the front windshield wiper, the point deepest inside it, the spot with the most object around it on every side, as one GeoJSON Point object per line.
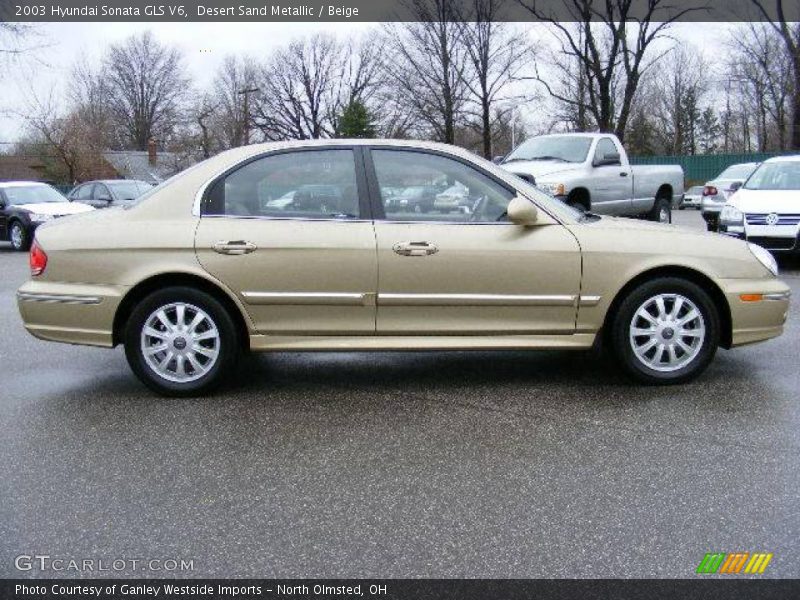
{"type": "Point", "coordinates": [547, 157]}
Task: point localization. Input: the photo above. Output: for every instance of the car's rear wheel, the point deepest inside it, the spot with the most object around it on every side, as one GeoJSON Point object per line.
{"type": "Point", "coordinates": [666, 331]}
{"type": "Point", "coordinates": [661, 211]}
{"type": "Point", "coordinates": [20, 240]}
{"type": "Point", "coordinates": [181, 342]}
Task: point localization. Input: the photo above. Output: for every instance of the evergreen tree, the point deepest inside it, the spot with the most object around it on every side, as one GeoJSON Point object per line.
{"type": "Point", "coordinates": [355, 122]}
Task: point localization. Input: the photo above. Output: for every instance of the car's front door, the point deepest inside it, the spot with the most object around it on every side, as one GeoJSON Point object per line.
{"type": "Point", "coordinates": [3, 216]}
{"type": "Point", "coordinates": [468, 272]}
{"type": "Point", "coordinates": [299, 265]}
{"type": "Point", "coordinates": [612, 183]}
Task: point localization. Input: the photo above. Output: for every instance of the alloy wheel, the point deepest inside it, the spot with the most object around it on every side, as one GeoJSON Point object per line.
{"type": "Point", "coordinates": [667, 332]}
{"type": "Point", "coordinates": [180, 342]}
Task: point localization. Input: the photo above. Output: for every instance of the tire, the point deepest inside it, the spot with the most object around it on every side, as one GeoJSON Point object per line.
{"type": "Point", "coordinates": [663, 366]}
{"type": "Point", "coordinates": [205, 363]}
{"type": "Point", "coordinates": [661, 211]}
{"type": "Point", "coordinates": [19, 237]}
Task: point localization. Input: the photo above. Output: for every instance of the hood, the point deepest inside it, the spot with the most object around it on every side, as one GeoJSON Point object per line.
{"type": "Point", "coordinates": [540, 168]}
{"type": "Point", "coordinates": [56, 208]}
{"type": "Point", "coordinates": [766, 201]}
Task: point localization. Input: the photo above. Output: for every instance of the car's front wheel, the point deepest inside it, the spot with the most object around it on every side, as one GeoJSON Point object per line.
{"type": "Point", "coordinates": [19, 237]}
{"type": "Point", "coordinates": [181, 341]}
{"type": "Point", "coordinates": [666, 331]}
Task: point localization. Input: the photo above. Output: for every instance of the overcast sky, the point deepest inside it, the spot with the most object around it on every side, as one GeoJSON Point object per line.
{"type": "Point", "coordinates": [204, 46]}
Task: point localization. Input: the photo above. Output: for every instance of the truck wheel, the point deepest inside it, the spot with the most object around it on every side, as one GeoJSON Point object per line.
{"type": "Point", "coordinates": [661, 211]}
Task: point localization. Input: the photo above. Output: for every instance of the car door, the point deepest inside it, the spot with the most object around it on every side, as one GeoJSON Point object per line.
{"type": "Point", "coordinates": [299, 265]}
{"type": "Point", "coordinates": [3, 216]}
{"type": "Point", "coordinates": [612, 183]}
{"type": "Point", "coordinates": [471, 271]}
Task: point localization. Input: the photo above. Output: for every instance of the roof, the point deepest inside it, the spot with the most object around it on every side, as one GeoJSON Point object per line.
{"type": "Point", "coordinates": [15, 168]}
{"type": "Point", "coordinates": [11, 184]}
{"type": "Point", "coordinates": [135, 164]}
{"type": "Point", "coordinates": [789, 158]}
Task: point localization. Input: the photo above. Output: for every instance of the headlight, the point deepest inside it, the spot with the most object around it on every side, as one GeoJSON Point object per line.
{"type": "Point", "coordinates": [556, 189]}
{"type": "Point", "coordinates": [40, 218]}
{"type": "Point", "coordinates": [765, 258]}
{"type": "Point", "coordinates": [731, 215]}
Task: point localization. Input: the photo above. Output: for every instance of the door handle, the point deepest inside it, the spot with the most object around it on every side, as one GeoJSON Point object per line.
{"type": "Point", "coordinates": [234, 248]}
{"type": "Point", "coordinates": [415, 248]}
{"type": "Point", "coordinates": [623, 174]}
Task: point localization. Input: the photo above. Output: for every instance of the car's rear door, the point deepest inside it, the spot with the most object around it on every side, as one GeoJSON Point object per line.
{"type": "Point", "coordinates": [466, 272]}
{"type": "Point", "coordinates": [300, 269]}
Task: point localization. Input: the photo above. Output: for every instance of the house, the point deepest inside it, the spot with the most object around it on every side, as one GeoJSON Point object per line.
{"type": "Point", "coordinates": [22, 168]}
{"type": "Point", "coordinates": [145, 165]}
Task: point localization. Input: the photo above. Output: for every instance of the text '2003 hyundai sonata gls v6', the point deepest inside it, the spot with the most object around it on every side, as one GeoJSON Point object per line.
{"type": "Point", "coordinates": [208, 264]}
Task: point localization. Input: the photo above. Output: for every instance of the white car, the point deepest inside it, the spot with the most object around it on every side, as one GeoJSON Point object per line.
{"type": "Point", "coordinates": [693, 198]}
{"type": "Point", "coordinates": [766, 209]}
{"type": "Point", "coordinates": [717, 191]}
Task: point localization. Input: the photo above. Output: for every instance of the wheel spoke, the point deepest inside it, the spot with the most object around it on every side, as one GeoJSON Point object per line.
{"type": "Point", "coordinates": [676, 309]}
{"type": "Point", "coordinates": [210, 353]}
{"type": "Point", "coordinates": [690, 316]}
{"type": "Point", "coordinates": [180, 315]}
{"type": "Point", "coordinates": [162, 316]}
{"type": "Point", "coordinates": [644, 348]}
{"type": "Point", "coordinates": [152, 332]}
{"type": "Point", "coordinates": [642, 313]}
{"type": "Point", "coordinates": [639, 332]}
{"type": "Point", "coordinates": [206, 335]}
{"type": "Point", "coordinates": [156, 349]}
{"type": "Point", "coordinates": [662, 309]}
{"type": "Point", "coordinates": [673, 357]}
{"type": "Point", "coordinates": [198, 318]}
{"type": "Point", "coordinates": [695, 333]}
{"type": "Point", "coordinates": [179, 368]}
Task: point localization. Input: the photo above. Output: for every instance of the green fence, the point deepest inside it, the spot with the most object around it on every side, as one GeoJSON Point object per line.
{"type": "Point", "coordinates": [700, 168]}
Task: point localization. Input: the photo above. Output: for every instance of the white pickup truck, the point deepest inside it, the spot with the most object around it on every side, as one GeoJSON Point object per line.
{"type": "Point", "coordinates": [591, 171]}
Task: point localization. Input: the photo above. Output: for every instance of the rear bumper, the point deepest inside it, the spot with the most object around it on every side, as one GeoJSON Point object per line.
{"type": "Point", "coordinates": [71, 313]}
{"type": "Point", "coordinates": [756, 321]}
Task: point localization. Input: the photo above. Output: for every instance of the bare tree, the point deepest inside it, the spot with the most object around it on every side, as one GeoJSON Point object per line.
{"type": "Point", "coordinates": [362, 79]}
{"type": "Point", "coordinates": [790, 34]}
{"type": "Point", "coordinates": [429, 65]}
{"type": "Point", "coordinates": [146, 88]}
{"type": "Point", "coordinates": [612, 43]}
{"type": "Point", "coordinates": [298, 89]}
{"type": "Point", "coordinates": [227, 119]}
{"type": "Point", "coordinates": [496, 53]}
{"type": "Point", "coordinates": [761, 64]}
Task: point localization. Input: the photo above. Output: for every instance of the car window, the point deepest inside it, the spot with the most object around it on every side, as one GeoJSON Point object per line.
{"type": "Point", "coordinates": [83, 192]}
{"type": "Point", "coordinates": [737, 172]}
{"type": "Point", "coordinates": [32, 194]}
{"type": "Point", "coordinates": [101, 192]}
{"type": "Point", "coordinates": [307, 184]}
{"type": "Point", "coordinates": [127, 190]}
{"type": "Point", "coordinates": [775, 176]}
{"type": "Point", "coordinates": [419, 186]}
{"type": "Point", "coordinates": [605, 147]}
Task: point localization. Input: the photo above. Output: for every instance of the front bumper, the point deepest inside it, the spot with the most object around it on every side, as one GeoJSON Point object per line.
{"type": "Point", "coordinates": [73, 313]}
{"type": "Point", "coordinates": [774, 243]}
{"type": "Point", "coordinates": [756, 320]}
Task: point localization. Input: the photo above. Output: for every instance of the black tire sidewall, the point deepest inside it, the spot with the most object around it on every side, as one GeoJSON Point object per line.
{"type": "Point", "coordinates": [656, 212]}
{"type": "Point", "coordinates": [229, 343]}
{"type": "Point", "coordinates": [624, 315]}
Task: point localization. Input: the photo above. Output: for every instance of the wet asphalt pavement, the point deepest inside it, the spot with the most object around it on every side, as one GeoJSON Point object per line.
{"type": "Point", "coordinates": [400, 464]}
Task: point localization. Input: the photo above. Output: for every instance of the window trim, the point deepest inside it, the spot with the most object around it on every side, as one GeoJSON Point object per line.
{"type": "Point", "coordinates": [375, 192]}
{"type": "Point", "coordinates": [364, 206]}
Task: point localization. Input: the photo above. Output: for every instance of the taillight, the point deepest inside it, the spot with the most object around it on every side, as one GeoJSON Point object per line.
{"type": "Point", "coordinates": [709, 190]}
{"type": "Point", "coordinates": [38, 259]}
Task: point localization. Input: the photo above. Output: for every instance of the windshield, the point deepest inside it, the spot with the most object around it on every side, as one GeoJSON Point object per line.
{"type": "Point", "coordinates": [775, 176]}
{"type": "Point", "coordinates": [128, 190]}
{"type": "Point", "coordinates": [737, 172]}
{"type": "Point", "coordinates": [32, 194]}
{"type": "Point", "coordinates": [564, 148]}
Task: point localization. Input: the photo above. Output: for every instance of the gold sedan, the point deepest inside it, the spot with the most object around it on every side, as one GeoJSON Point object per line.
{"type": "Point", "coordinates": [303, 246]}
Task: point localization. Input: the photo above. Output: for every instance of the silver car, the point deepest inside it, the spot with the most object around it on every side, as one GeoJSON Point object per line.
{"type": "Point", "coordinates": [717, 191]}
{"type": "Point", "coordinates": [693, 198]}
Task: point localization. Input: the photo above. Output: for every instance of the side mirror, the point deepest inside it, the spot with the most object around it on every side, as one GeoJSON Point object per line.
{"type": "Point", "coordinates": [522, 211]}
{"type": "Point", "coordinates": [735, 186]}
{"type": "Point", "coordinates": [105, 198]}
{"type": "Point", "coordinates": [498, 159]}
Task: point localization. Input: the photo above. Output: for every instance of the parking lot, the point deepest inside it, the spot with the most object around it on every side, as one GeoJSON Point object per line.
{"type": "Point", "coordinates": [456, 464]}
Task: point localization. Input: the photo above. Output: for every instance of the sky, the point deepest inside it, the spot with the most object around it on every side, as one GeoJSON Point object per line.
{"type": "Point", "coordinates": [204, 46]}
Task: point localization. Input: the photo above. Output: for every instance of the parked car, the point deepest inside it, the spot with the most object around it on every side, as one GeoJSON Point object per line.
{"type": "Point", "coordinates": [693, 198]}
{"type": "Point", "coordinates": [590, 171]}
{"type": "Point", "coordinates": [520, 271]}
{"type": "Point", "coordinates": [454, 198]}
{"type": "Point", "coordinates": [24, 205]}
{"type": "Point", "coordinates": [109, 192]}
{"type": "Point", "coordinates": [766, 209]}
{"type": "Point", "coordinates": [717, 191]}
{"type": "Point", "coordinates": [415, 198]}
